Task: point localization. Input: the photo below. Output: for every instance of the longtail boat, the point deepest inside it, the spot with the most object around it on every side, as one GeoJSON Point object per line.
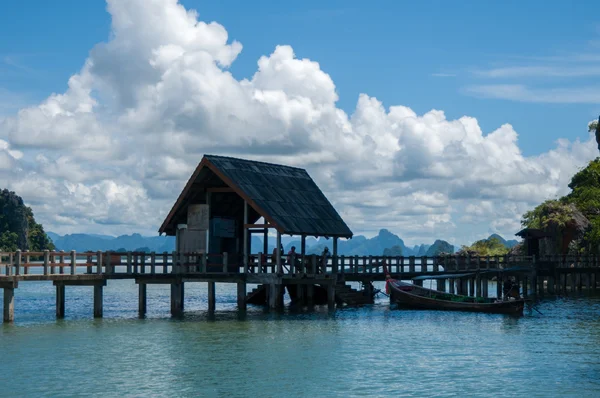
{"type": "Point", "coordinates": [408, 295]}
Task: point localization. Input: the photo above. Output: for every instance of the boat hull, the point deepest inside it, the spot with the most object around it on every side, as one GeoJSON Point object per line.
{"type": "Point", "coordinates": [414, 297]}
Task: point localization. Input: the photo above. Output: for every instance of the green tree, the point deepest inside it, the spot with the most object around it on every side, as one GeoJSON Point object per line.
{"type": "Point", "coordinates": [595, 127]}
{"type": "Point", "coordinates": [8, 241]}
{"type": "Point", "coordinates": [487, 247]}
{"type": "Point", "coordinates": [553, 214]}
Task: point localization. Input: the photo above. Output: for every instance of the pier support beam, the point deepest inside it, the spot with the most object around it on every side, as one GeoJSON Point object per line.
{"type": "Point", "coordinates": [177, 299]}
{"type": "Point", "coordinates": [485, 287]}
{"type": "Point", "coordinates": [241, 296]}
{"type": "Point", "coordinates": [211, 297]}
{"type": "Point", "coordinates": [275, 296]}
{"type": "Point", "coordinates": [142, 300]}
{"type": "Point", "coordinates": [331, 296]}
{"type": "Point", "coordinates": [98, 300]}
{"type": "Point", "coordinates": [60, 301]}
{"type": "Point", "coordinates": [9, 303]}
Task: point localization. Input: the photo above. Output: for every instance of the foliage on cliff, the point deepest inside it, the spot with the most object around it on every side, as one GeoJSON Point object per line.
{"type": "Point", "coordinates": [486, 247]}
{"type": "Point", "coordinates": [574, 217]}
{"type": "Point", "coordinates": [18, 229]}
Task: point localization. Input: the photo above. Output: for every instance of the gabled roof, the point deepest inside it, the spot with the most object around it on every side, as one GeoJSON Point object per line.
{"type": "Point", "coordinates": [285, 196]}
{"type": "Point", "coordinates": [533, 233]}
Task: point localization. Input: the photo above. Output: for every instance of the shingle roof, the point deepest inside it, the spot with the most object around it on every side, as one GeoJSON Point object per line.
{"type": "Point", "coordinates": [285, 196]}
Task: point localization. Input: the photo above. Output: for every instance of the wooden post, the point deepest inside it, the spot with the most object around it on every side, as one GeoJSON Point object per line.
{"type": "Point", "coordinates": [88, 261]}
{"type": "Point", "coordinates": [303, 253]}
{"type": "Point", "coordinates": [61, 268]}
{"type": "Point", "coordinates": [9, 267]}
{"type": "Point", "coordinates": [478, 277]}
{"type": "Point", "coordinates": [225, 262]}
{"type": "Point", "coordinates": [331, 296]}
{"type": "Point", "coordinates": [73, 262]}
{"type": "Point", "coordinates": [241, 296]}
{"type": "Point", "coordinates": [177, 299]}
{"type": "Point", "coordinates": [98, 262]}
{"type": "Point", "coordinates": [260, 263]}
{"type": "Point", "coordinates": [313, 264]}
{"type": "Point", "coordinates": [142, 300]}
{"type": "Point", "coordinates": [18, 262]}
{"type": "Point", "coordinates": [143, 263]}
{"type": "Point", "coordinates": [153, 263]}
{"type": "Point", "coordinates": [245, 241]}
{"type": "Point", "coordinates": [46, 261]}
{"type": "Point", "coordinates": [9, 304]}
{"type": "Point", "coordinates": [411, 264]}
{"type": "Point", "coordinates": [534, 279]}
{"type": "Point", "coordinates": [273, 296]}
{"type": "Point", "coordinates": [107, 260]}
{"type": "Point", "coordinates": [278, 260]}
{"type": "Point", "coordinates": [60, 300]}
{"type": "Point", "coordinates": [165, 262]}
{"type": "Point", "coordinates": [135, 261]}
{"type": "Point", "coordinates": [441, 285]}
{"type": "Point", "coordinates": [98, 298]}
{"type": "Point", "coordinates": [175, 268]}
{"type": "Point", "coordinates": [129, 262]}
{"type": "Point", "coordinates": [334, 262]}
{"type": "Point", "coordinates": [292, 263]}
{"type": "Point", "coordinates": [266, 246]}
{"type": "Point", "coordinates": [211, 297]}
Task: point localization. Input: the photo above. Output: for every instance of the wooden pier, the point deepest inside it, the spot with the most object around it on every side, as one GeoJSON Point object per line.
{"type": "Point", "coordinates": [313, 281]}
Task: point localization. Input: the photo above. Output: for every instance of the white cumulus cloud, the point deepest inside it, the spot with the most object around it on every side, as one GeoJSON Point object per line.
{"type": "Point", "coordinates": [112, 153]}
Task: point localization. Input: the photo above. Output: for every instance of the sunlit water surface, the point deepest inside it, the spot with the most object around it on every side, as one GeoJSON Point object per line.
{"type": "Point", "coordinates": [371, 351]}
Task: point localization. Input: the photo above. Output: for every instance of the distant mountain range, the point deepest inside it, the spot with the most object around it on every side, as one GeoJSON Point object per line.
{"type": "Point", "coordinates": [359, 245]}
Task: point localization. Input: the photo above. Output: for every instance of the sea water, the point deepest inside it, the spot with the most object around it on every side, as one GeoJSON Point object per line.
{"type": "Point", "coordinates": [375, 350]}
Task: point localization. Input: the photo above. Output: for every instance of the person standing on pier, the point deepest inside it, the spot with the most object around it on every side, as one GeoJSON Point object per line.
{"type": "Point", "coordinates": [292, 257]}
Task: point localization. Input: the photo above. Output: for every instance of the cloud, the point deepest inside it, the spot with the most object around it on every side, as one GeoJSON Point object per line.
{"type": "Point", "coordinates": [540, 71]}
{"type": "Point", "coordinates": [443, 74]}
{"type": "Point", "coordinates": [112, 153]}
{"type": "Point", "coordinates": [519, 92]}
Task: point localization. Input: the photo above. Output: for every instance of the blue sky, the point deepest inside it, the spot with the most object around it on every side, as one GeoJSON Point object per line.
{"type": "Point", "coordinates": [106, 110]}
{"type": "Point", "coordinates": [396, 51]}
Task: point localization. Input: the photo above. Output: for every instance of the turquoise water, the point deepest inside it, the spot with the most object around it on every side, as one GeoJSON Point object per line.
{"type": "Point", "coordinates": [371, 351]}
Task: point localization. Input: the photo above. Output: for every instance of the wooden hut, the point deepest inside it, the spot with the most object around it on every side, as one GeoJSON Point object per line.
{"type": "Point", "coordinates": [225, 197]}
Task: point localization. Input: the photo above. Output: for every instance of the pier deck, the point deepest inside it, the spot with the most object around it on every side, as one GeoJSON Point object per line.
{"type": "Point", "coordinates": [464, 275]}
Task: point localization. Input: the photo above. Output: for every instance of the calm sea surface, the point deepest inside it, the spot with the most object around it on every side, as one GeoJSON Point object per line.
{"type": "Point", "coordinates": [371, 351]}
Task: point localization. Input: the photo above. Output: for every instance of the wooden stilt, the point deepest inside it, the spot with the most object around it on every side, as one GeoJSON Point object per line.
{"type": "Point", "coordinates": [60, 301]}
{"type": "Point", "coordinates": [176, 299]}
{"type": "Point", "coordinates": [331, 296]}
{"type": "Point", "coordinates": [241, 296]}
{"type": "Point", "coordinates": [211, 297]}
{"type": "Point", "coordinates": [9, 304]}
{"type": "Point", "coordinates": [98, 300]}
{"type": "Point", "coordinates": [142, 300]}
{"type": "Point", "coordinates": [273, 296]}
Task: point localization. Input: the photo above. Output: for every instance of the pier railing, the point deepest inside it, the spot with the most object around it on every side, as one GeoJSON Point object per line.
{"type": "Point", "coordinates": [117, 263]}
